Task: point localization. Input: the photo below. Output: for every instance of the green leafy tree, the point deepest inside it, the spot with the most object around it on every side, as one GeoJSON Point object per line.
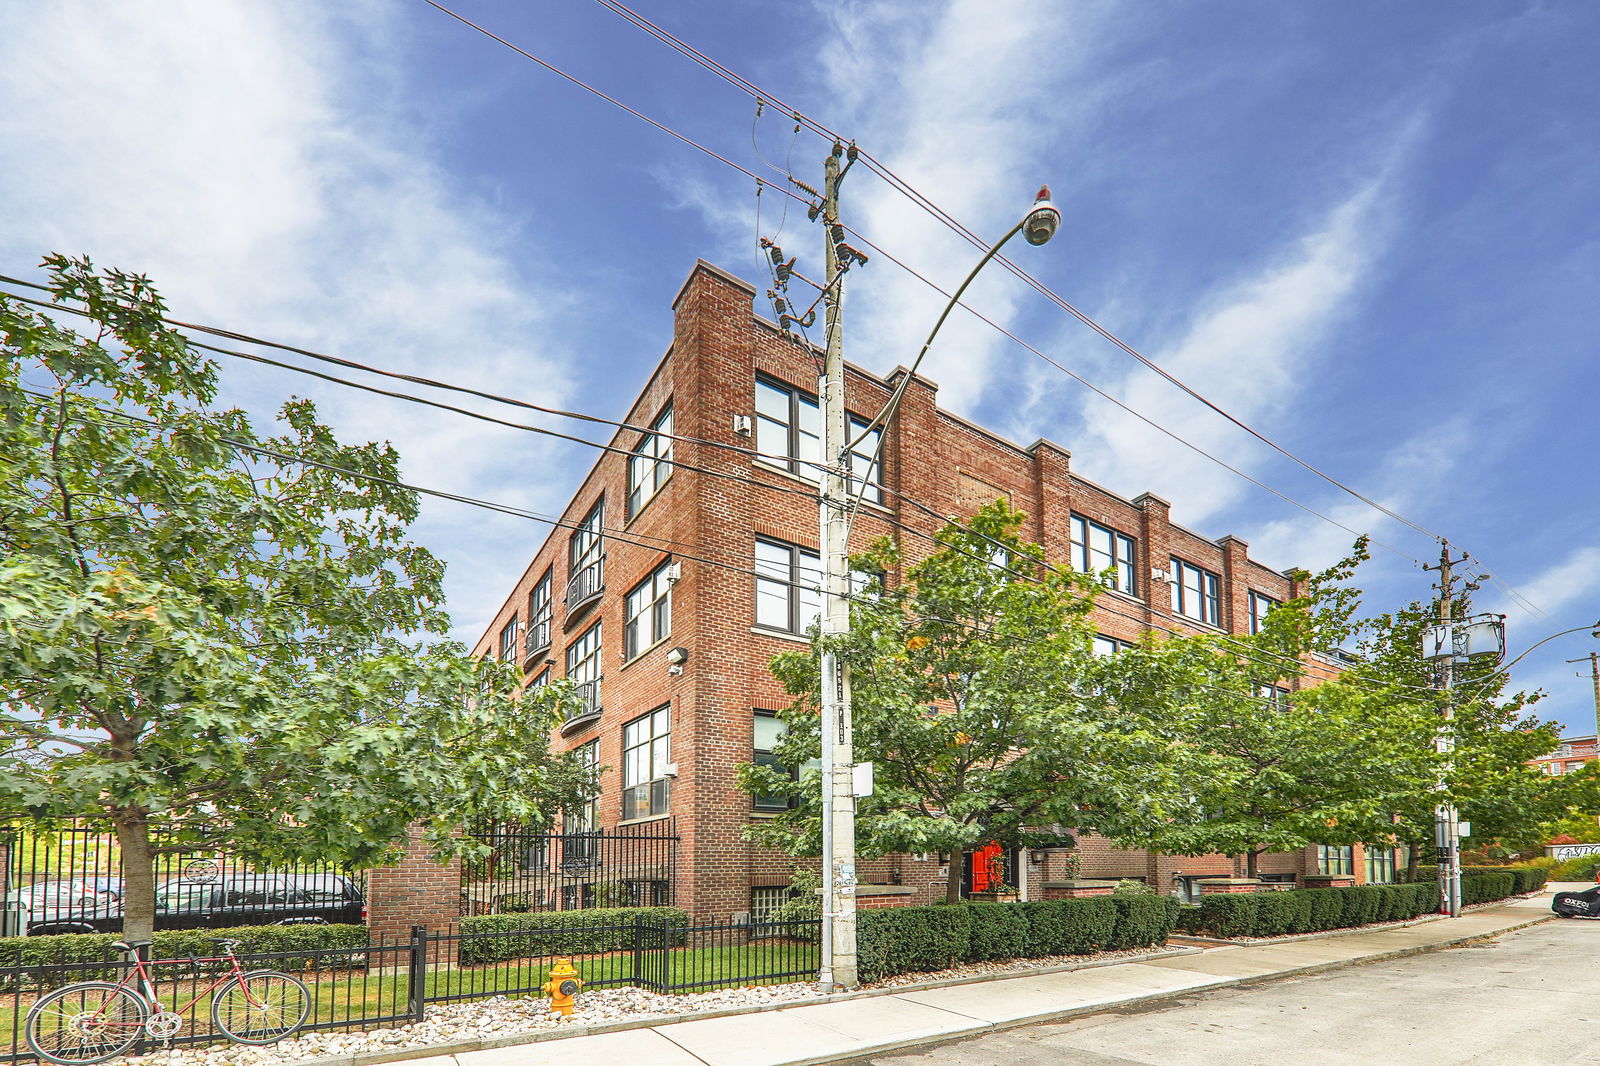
{"type": "Point", "coordinates": [210, 637]}
{"type": "Point", "coordinates": [969, 697]}
{"type": "Point", "coordinates": [1274, 765]}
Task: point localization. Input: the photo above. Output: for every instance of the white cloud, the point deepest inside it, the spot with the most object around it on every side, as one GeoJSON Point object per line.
{"type": "Point", "coordinates": [247, 157]}
{"type": "Point", "coordinates": [1561, 585]}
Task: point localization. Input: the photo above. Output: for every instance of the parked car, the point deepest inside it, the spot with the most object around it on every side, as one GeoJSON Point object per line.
{"type": "Point", "coordinates": [208, 903]}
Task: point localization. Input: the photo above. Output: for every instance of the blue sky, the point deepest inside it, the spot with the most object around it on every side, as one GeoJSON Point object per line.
{"type": "Point", "coordinates": [1367, 229]}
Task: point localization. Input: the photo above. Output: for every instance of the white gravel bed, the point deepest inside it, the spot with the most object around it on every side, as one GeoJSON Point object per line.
{"type": "Point", "coordinates": [449, 1023]}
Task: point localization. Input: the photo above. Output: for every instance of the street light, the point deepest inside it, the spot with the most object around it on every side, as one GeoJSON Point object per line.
{"type": "Point", "coordinates": [839, 968]}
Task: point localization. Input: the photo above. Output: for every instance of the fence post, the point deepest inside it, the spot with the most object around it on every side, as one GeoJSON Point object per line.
{"type": "Point", "coordinates": [419, 971]}
{"type": "Point", "coordinates": [638, 952]}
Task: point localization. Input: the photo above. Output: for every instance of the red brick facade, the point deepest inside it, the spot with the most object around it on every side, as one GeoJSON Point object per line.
{"type": "Point", "coordinates": [719, 348]}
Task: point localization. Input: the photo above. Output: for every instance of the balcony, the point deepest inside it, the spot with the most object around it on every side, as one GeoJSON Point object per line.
{"type": "Point", "coordinates": [587, 709]}
{"type": "Point", "coordinates": [585, 588]}
{"type": "Point", "coordinates": [536, 645]}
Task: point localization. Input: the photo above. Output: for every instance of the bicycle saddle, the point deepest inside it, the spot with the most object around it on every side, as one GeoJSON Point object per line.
{"type": "Point", "coordinates": [132, 945]}
{"type": "Point", "coordinates": [227, 942]}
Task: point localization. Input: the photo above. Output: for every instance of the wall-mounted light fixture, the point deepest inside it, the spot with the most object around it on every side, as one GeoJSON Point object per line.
{"type": "Point", "coordinates": [676, 657]}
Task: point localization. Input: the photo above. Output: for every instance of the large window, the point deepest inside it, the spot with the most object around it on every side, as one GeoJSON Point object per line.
{"type": "Point", "coordinates": [645, 754]}
{"type": "Point", "coordinates": [583, 667]}
{"type": "Point", "coordinates": [769, 729]}
{"type": "Point", "coordinates": [649, 608]}
{"type": "Point", "coordinates": [1335, 860]}
{"type": "Point", "coordinates": [1380, 864]}
{"type": "Point", "coordinates": [650, 465]}
{"type": "Point", "coordinates": [586, 554]}
{"type": "Point", "coordinates": [1097, 549]}
{"type": "Point", "coordinates": [1259, 606]}
{"type": "Point", "coordinates": [1195, 593]}
{"type": "Point", "coordinates": [1104, 645]}
{"type": "Point", "coordinates": [585, 818]}
{"type": "Point", "coordinates": [787, 582]}
{"type": "Point", "coordinates": [789, 435]}
{"type": "Point", "coordinates": [508, 641]}
{"type": "Point", "coordinates": [539, 615]}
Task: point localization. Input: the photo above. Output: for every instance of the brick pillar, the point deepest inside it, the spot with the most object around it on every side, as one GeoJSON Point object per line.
{"type": "Point", "coordinates": [1235, 586]}
{"type": "Point", "coordinates": [1155, 553]}
{"type": "Point", "coordinates": [417, 891]}
{"type": "Point", "coordinates": [1052, 505]}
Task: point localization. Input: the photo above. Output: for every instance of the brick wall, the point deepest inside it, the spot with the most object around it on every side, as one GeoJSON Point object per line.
{"type": "Point", "coordinates": [418, 891]}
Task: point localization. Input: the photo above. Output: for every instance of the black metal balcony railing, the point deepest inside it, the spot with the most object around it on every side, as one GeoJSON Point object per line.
{"type": "Point", "coordinates": [536, 643]}
{"type": "Point", "coordinates": [587, 708]}
{"type": "Point", "coordinates": [584, 586]}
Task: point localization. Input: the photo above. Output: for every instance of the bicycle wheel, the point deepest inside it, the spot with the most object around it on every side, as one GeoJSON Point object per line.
{"type": "Point", "coordinates": [260, 1007]}
{"type": "Point", "coordinates": [86, 1022]}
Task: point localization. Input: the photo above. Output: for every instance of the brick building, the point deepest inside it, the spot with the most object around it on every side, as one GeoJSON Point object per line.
{"type": "Point", "coordinates": [1573, 753]}
{"type": "Point", "coordinates": [668, 632]}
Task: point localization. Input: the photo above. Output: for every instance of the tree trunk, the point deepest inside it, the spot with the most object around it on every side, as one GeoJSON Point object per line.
{"type": "Point", "coordinates": [1252, 862]}
{"type": "Point", "coordinates": [952, 884]}
{"type": "Point", "coordinates": [138, 874]}
{"type": "Point", "coordinates": [1413, 860]}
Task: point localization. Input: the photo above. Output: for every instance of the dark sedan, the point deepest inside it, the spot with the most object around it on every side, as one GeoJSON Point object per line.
{"type": "Point", "coordinates": [213, 903]}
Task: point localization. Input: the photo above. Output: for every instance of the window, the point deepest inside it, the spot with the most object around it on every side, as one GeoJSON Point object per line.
{"type": "Point", "coordinates": [583, 667]}
{"type": "Point", "coordinates": [648, 893]}
{"type": "Point", "coordinates": [1259, 606]}
{"type": "Point", "coordinates": [587, 557]}
{"type": "Point", "coordinates": [508, 641]}
{"type": "Point", "coordinates": [1275, 694]}
{"type": "Point", "coordinates": [789, 436]}
{"type": "Point", "coordinates": [1333, 859]}
{"type": "Point", "coordinates": [787, 586]}
{"type": "Point", "coordinates": [649, 609]}
{"type": "Point", "coordinates": [768, 731]}
{"type": "Point", "coordinates": [1195, 593]}
{"type": "Point", "coordinates": [539, 615]}
{"type": "Point", "coordinates": [650, 465]}
{"type": "Point", "coordinates": [1380, 864]}
{"type": "Point", "coordinates": [1096, 549]}
{"type": "Point", "coordinates": [585, 818]}
{"type": "Point", "coordinates": [1104, 645]}
{"type": "Point", "coordinates": [645, 750]}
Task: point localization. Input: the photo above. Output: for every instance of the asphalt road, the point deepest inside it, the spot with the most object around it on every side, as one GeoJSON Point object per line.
{"type": "Point", "coordinates": [1528, 998]}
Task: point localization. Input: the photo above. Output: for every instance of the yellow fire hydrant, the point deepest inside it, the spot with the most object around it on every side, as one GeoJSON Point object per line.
{"type": "Point", "coordinates": [562, 988]}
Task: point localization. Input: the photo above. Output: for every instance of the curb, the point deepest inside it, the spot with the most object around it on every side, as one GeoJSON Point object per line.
{"type": "Point", "coordinates": [375, 1058]}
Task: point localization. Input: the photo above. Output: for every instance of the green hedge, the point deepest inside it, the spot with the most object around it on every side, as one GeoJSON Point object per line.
{"type": "Point", "coordinates": [90, 956]}
{"type": "Point", "coordinates": [921, 939]}
{"type": "Point", "coordinates": [1525, 879]}
{"type": "Point", "coordinates": [564, 932]}
{"type": "Point", "coordinates": [1317, 909]}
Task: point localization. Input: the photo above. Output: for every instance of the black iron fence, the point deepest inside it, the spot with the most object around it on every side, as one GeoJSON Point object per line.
{"type": "Point", "coordinates": [71, 881]}
{"type": "Point", "coordinates": [630, 866]}
{"type": "Point", "coordinates": [393, 983]}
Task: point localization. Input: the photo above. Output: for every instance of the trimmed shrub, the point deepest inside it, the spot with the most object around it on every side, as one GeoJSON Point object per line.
{"type": "Point", "coordinates": [1069, 926]}
{"type": "Point", "coordinates": [90, 956]}
{"type": "Point", "coordinates": [563, 932]}
{"type": "Point", "coordinates": [1281, 913]}
{"type": "Point", "coordinates": [1142, 921]}
{"type": "Point", "coordinates": [1485, 888]}
{"type": "Point", "coordinates": [911, 940]}
{"type": "Point", "coordinates": [1228, 915]}
{"type": "Point", "coordinates": [996, 931]}
{"type": "Point", "coordinates": [1324, 908]}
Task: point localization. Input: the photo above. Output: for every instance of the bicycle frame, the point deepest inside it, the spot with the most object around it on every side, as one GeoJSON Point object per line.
{"type": "Point", "coordinates": [146, 987]}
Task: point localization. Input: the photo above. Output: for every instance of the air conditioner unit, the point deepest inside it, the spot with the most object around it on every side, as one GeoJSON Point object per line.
{"type": "Point", "coordinates": [741, 425]}
{"type": "Point", "coordinates": [674, 573]}
{"type": "Point", "coordinates": [670, 770]}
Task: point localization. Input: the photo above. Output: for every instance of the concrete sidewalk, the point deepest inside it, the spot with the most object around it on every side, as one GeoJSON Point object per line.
{"type": "Point", "coordinates": [853, 1025]}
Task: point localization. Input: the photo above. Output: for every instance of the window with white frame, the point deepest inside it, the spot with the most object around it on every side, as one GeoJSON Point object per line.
{"type": "Point", "coordinates": [1098, 549]}
{"type": "Point", "coordinates": [645, 754]}
{"type": "Point", "coordinates": [1196, 593]}
{"type": "Point", "coordinates": [539, 614]}
{"type": "Point", "coordinates": [586, 555]}
{"type": "Point", "coordinates": [1276, 695]}
{"type": "Point", "coordinates": [1259, 606]}
{"type": "Point", "coordinates": [787, 583]}
{"type": "Point", "coordinates": [1335, 860]}
{"type": "Point", "coordinates": [649, 611]}
{"type": "Point", "coordinates": [1380, 864]}
{"type": "Point", "coordinates": [508, 641]}
{"type": "Point", "coordinates": [650, 463]}
{"type": "Point", "coordinates": [585, 817]}
{"type": "Point", "coordinates": [789, 436]}
{"type": "Point", "coordinates": [583, 666]}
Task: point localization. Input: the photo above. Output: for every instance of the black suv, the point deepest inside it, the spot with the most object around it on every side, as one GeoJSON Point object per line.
{"type": "Point", "coordinates": [219, 903]}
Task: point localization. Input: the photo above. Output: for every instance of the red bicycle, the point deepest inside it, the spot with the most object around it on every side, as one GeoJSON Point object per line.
{"type": "Point", "coordinates": [92, 1021]}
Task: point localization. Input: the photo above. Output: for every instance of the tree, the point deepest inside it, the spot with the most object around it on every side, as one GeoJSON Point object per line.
{"type": "Point", "coordinates": [212, 638]}
{"type": "Point", "coordinates": [968, 696]}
